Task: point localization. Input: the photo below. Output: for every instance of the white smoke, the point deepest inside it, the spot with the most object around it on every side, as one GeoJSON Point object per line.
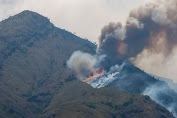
{"type": "Point", "coordinates": [134, 23]}
{"type": "Point", "coordinates": [107, 78]}
{"type": "Point", "coordinates": [82, 64]}
{"type": "Point", "coordinates": [154, 92]}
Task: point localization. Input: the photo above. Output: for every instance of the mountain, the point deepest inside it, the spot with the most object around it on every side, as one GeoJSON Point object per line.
{"type": "Point", "coordinates": [35, 82]}
{"type": "Point", "coordinates": [33, 55]}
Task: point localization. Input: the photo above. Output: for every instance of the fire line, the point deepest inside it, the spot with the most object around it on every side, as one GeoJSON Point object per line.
{"type": "Point", "coordinates": [96, 74]}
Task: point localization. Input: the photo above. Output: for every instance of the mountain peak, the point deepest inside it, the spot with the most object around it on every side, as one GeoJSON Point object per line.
{"type": "Point", "coordinates": [24, 23]}
{"type": "Point", "coordinates": [28, 12]}
{"type": "Point", "coordinates": [28, 16]}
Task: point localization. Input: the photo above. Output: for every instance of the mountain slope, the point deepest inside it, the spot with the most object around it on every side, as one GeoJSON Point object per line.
{"type": "Point", "coordinates": [33, 57]}
{"type": "Point", "coordinates": [78, 100]}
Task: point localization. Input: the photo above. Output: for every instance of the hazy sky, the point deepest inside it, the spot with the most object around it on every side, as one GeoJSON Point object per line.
{"type": "Point", "coordinates": [84, 17]}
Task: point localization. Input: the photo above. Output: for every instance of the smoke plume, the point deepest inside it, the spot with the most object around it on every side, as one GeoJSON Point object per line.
{"type": "Point", "coordinates": [82, 64]}
{"type": "Point", "coordinates": [151, 27]}
{"type": "Point", "coordinates": [150, 30]}
{"type": "Point", "coordinates": [148, 38]}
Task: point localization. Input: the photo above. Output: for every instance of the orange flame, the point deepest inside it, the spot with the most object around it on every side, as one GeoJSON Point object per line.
{"type": "Point", "coordinates": [95, 75]}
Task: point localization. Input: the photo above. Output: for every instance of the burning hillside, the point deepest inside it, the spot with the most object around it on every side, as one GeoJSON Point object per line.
{"type": "Point", "coordinates": [151, 28]}
{"type": "Point", "coordinates": [96, 74]}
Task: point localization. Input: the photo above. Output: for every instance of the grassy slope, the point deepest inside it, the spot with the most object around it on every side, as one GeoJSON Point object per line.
{"type": "Point", "coordinates": [78, 100]}
{"type": "Point", "coordinates": [33, 59]}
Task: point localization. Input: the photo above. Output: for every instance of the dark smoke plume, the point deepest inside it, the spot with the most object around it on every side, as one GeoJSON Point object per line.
{"type": "Point", "coordinates": [152, 27]}
{"type": "Point", "coordinates": [150, 31]}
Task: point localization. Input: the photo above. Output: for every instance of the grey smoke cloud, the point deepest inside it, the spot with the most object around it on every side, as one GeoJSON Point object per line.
{"type": "Point", "coordinates": [150, 29]}
{"type": "Point", "coordinates": [111, 44]}
{"type": "Point", "coordinates": [148, 38]}
{"type": "Point", "coordinates": [159, 55]}
{"type": "Point", "coordinates": [82, 64]}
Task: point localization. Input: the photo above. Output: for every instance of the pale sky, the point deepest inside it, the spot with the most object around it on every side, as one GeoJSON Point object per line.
{"type": "Point", "coordinates": [84, 17]}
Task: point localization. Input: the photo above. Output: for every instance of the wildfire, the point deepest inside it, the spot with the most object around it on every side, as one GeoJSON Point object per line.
{"type": "Point", "coordinates": [95, 75]}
